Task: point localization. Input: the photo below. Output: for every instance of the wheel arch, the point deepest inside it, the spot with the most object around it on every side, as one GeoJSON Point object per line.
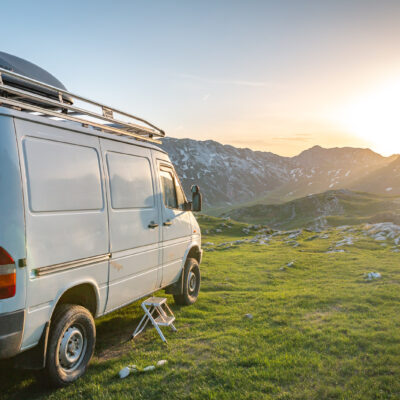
{"type": "Point", "coordinates": [84, 293]}
{"type": "Point", "coordinates": [193, 251]}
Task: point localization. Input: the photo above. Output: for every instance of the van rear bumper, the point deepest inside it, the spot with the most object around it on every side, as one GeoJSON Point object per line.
{"type": "Point", "coordinates": [11, 329]}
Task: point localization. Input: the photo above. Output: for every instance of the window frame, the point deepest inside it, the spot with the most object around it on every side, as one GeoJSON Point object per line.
{"type": "Point", "coordinates": [108, 165]}
{"type": "Point", "coordinates": [26, 140]}
{"type": "Point", "coordinates": [170, 169]}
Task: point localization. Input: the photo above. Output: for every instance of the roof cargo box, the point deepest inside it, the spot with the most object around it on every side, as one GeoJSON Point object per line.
{"type": "Point", "coordinates": [30, 70]}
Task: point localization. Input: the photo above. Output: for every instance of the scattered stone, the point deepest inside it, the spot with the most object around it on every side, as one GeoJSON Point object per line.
{"type": "Point", "coordinates": [347, 241]}
{"type": "Point", "coordinates": [335, 251]}
{"type": "Point", "coordinates": [218, 230]}
{"type": "Point", "coordinates": [383, 231]}
{"type": "Point", "coordinates": [282, 268]}
{"type": "Point", "coordinates": [373, 275]}
{"type": "Point", "coordinates": [290, 264]}
{"type": "Point", "coordinates": [149, 368]}
{"type": "Point", "coordinates": [255, 227]}
{"type": "Point", "coordinates": [380, 237]}
{"type": "Point", "coordinates": [312, 238]}
{"type": "Point", "coordinates": [161, 363]}
{"type": "Point", "coordinates": [249, 316]}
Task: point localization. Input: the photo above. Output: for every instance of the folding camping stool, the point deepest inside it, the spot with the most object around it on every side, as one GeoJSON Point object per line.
{"type": "Point", "coordinates": [156, 311]}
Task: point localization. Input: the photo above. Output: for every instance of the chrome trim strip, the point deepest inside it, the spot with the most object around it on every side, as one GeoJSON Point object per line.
{"type": "Point", "coordinates": [71, 265]}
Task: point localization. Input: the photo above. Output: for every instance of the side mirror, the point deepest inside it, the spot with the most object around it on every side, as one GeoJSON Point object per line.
{"type": "Point", "coordinates": [196, 198]}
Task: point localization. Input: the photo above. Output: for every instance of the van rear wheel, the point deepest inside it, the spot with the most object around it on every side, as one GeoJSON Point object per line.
{"type": "Point", "coordinates": [191, 283]}
{"type": "Point", "coordinates": [71, 344]}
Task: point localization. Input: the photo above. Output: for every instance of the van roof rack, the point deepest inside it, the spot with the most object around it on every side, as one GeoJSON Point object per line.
{"type": "Point", "coordinates": [105, 118]}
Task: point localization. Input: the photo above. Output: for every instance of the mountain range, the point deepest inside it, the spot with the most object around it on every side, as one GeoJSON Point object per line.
{"type": "Point", "coordinates": [230, 176]}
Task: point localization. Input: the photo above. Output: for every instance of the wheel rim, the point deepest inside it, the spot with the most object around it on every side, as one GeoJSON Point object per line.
{"type": "Point", "coordinates": [72, 348]}
{"type": "Point", "coordinates": [192, 282]}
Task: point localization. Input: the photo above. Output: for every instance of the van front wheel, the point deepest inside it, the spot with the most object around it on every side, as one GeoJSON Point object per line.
{"type": "Point", "coordinates": [191, 283]}
{"type": "Point", "coordinates": [71, 344]}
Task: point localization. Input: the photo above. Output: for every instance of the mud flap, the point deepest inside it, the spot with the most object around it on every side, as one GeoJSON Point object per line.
{"type": "Point", "coordinates": [177, 287]}
{"type": "Point", "coordinates": [34, 358]}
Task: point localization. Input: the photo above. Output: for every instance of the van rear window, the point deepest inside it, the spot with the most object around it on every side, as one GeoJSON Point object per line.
{"type": "Point", "coordinates": [62, 176]}
{"type": "Point", "coordinates": [131, 182]}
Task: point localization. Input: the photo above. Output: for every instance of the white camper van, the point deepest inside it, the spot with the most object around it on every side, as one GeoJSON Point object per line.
{"type": "Point", "coordinates": [92, 217]}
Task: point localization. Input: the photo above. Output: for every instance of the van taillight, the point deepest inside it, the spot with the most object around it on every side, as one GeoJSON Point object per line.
{"type": "Point", "coordinates": [7, 275]}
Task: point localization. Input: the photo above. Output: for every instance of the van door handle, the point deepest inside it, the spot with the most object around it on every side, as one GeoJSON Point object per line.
{"type": "Point", "coordinates": [152, 225]}
{"type": "Point", "coordinates": [167, 223]}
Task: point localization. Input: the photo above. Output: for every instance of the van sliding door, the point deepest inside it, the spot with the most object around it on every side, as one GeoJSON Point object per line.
{"type": "Point", "coordinates": [134, 223]}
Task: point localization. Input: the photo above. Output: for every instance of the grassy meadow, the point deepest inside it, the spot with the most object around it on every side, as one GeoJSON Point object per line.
{"type": "Point", "coordinates": [331, 208]}
{"type": "Point", "coordinates": [319, 329]}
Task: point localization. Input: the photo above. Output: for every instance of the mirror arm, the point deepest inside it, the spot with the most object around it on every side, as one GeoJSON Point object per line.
{"type": "Point", "coordinates": [188, 206]}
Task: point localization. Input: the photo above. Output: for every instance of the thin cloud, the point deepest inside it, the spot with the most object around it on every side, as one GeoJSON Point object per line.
{"type": "Point", "coordinates": [296, 138]}
{"type": "Point", "coordinates": [235, 82]}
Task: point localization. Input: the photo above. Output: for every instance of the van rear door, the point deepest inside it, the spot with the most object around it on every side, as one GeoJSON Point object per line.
{"type": "Point", "coordinates": [12, 243]}
{"type": "Point", "coordinates": [12, 229]}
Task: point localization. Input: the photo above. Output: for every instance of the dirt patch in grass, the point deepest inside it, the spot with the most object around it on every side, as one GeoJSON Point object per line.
{"type": "Point", "coordinates": [322, 316]}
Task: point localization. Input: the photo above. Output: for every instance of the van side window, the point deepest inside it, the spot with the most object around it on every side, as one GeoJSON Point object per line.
{"type": "Point", "coordinates": [180, 196]}
{"type": "Point", "coordinates": [168, 189]}
{"type": "Point", "coordinates": [131, 183]}
{"type": "Point", "coordinates": [62, 176]}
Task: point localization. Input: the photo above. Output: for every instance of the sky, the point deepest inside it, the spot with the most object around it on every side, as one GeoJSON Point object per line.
{"type": "Point", "coordinates": [278, 76]}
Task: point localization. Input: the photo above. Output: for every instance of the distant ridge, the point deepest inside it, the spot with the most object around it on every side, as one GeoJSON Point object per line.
{"type": "Point", "coordinates": [229, 175]}
{"type": "Point", "coordinates": [318, 211]}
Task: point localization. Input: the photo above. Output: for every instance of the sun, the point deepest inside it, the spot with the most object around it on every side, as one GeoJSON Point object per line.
{"type": "Point", "coordinates": [375, 117]}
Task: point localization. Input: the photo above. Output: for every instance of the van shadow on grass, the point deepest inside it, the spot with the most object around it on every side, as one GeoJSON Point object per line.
{"type": "Point", "coordinates": [113, 340]}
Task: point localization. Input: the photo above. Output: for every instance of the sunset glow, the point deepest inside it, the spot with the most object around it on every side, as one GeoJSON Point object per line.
{"type": "Point", "coordinates": [375, 117]}
{"type": "Point", "coordinates": [278, 76]}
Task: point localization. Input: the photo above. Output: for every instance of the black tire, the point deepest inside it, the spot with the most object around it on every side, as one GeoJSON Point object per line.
{"type": "Point", "coordinates": [191, 283]}
{"type": "Point", "coordinates": [71, 344]}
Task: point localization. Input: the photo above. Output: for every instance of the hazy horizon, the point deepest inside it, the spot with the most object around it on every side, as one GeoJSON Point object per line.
{"type": "Point", "coordinates": [272, 76]}
{"type": "Point", "coordinates": [282, 155]}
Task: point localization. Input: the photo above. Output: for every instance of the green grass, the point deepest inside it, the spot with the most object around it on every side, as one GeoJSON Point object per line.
{"type": "Point", "coordinates": [319, 329]}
